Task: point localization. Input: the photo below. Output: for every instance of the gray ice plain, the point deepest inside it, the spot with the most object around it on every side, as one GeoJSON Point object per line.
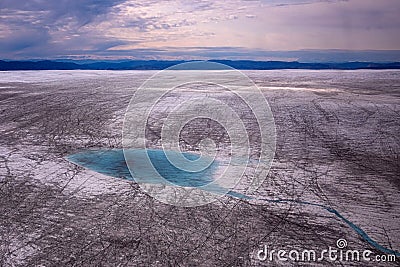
{"type": "Point", "coordinates": [337, 146]}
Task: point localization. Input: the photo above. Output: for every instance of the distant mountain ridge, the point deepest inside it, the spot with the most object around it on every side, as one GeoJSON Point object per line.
{"type": "Point", "coordinates": [162, 64]}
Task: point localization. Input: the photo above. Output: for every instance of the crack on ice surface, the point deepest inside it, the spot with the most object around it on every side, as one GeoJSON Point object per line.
{"type": "Point", "coordinates": [359, 231]}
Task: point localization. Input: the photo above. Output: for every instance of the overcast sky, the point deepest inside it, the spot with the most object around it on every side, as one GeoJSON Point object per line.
{"type": "Point", "coordinates": [234, 29]}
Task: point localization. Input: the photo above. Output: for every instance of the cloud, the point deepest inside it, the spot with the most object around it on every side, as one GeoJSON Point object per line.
{"type": "Point", "coordinates": [241, 53]}
{"type": "Point", "coordinates": [179, 28]}
{"type": "Point", "coordinates": [282, 3]}
{"type": "Point", "coordinates": [40, 28]}
{"type": "Point", "coordinates": [23, 39]}
{"type": "Point", "coordinates": [354, 24]}
{"type": "Point", "coordinates": [250, 16]}
{"type": "Point", "coordinates": [80, 11]}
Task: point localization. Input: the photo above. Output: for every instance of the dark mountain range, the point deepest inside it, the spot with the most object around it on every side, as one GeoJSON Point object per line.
{"type": "Point", "coordinates": [162, 64]}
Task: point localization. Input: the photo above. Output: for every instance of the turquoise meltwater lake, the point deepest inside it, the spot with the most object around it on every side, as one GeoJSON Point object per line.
{"type": "Point", "coordinates": [112, 162]}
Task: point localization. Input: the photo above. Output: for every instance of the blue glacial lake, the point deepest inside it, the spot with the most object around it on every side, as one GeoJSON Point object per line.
{"type": "Point", "coordinates": [112, 162]}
